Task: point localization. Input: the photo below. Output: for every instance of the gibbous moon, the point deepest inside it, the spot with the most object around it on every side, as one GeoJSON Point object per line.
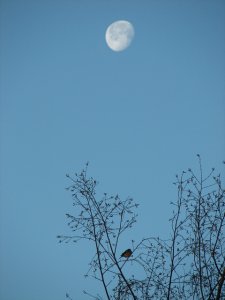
{"type": "Point", "coordinates": [119, 35]}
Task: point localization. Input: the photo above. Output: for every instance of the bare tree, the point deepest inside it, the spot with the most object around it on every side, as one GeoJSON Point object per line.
{"type": "Point", "coordinates": [190, 264]}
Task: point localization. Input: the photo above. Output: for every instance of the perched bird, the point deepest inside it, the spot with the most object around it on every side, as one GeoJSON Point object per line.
{"type": "Point", "coordinates": [126, 253]}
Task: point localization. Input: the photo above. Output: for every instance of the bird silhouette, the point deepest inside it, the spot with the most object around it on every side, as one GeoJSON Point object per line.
{"type": "Point", "coordinates": [127, 253]}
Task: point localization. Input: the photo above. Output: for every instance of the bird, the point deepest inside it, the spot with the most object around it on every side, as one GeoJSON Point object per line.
{"type": "Point", "coordinates": [127, 253]}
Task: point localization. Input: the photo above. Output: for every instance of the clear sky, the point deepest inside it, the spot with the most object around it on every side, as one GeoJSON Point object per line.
{"type": "Point", "coordinates": [138, 116]}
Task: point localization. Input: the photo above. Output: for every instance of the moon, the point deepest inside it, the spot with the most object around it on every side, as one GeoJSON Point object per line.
{"type": "Point", "coordinates": [119, 35]}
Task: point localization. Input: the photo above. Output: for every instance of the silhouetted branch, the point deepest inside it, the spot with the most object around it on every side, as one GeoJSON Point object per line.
{"type": "Point", "coordinates": [190, 264]}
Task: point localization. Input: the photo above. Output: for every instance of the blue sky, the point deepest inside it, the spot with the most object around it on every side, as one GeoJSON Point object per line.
{"type": "Point", "coordinates": [138, 116]}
